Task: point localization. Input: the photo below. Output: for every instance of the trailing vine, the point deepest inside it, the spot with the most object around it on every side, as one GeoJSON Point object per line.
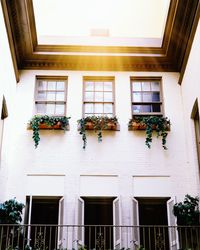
{"type": "Point", "coordinates": [99, 123]}
{"type": "Point", "coordinates": [157, 123]}
{"type": "Point", "coordinates": [49, 121]}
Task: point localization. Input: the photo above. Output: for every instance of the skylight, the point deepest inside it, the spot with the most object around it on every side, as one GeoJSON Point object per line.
{"type": "Point", "coordinates": [104, 21]}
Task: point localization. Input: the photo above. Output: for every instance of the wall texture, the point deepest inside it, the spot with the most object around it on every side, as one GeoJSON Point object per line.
{"type": "Point", "coordinates": [190, 93]}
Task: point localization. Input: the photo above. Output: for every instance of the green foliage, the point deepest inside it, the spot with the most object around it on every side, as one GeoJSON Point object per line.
{"type": "Point", "coordinates": [49, 121]}
{"type": "Point", "coordinates": [11, 212]}
{"type": "Point", "coordinates": [187, 212]}
{"type": "Point", "coordinates": [99, 123]}
{"type": "Point", "coordinates": [157, 123]}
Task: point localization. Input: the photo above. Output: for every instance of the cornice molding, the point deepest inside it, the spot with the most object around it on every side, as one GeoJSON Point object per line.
{"type": "Point", "coordinates": [13, 51]}
{"type": "Point", "coordinates": [31, 55]}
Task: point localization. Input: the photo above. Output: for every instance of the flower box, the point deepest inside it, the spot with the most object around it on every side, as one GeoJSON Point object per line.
{"type": "Point", "coordinates": [135, 125]}
{"type": "Point", "coordinates": [39, 122]}
{"type": "Point", "coordinates": [149, 123]}
{"type": "Point", "coordinates": [96, 123]}
{"type": "Point", "coordinates": [46, 126]}
{"type": "Point", "coordinates": [109, 126]}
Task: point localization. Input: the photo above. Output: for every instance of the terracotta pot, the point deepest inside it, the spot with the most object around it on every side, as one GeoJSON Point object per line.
{"type": "Point", "coordinates": [89, 125]}
{"type": "Point", "coordinates": [140, 126]}
{"type": "Point", "coordinates": [45, 126]}
{"type": "Point", "coordinates": [111, 126]}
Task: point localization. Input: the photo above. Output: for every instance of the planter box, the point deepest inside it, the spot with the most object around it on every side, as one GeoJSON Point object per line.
{"type": "Point", "coordinates": [45, 126]}
{"type": "Point", "coordinates": [110, 126]}
{"type": "Point", "coordinates": [141, 126]}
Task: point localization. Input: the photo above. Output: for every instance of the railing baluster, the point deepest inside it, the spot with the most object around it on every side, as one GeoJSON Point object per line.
{"type": "Point", "coordinates": [56, 235]}
{"type": "Point", "coordinates": [149, 238]}
{"type": "Point", "coordinates": [46, 237]}
{"type": "Point", "coordinates": [164, 236]}
{"type": "Point", "coordinates": [1, 238]}
{"type": "Point", "coordinates": [89, 236]}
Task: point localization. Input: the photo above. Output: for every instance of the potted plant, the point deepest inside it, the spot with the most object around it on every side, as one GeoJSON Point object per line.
{"type": "Point", "coordinates": [10, 214]}
{"type": "Point", "coordinates": [96, 123]}
{"type": "Point", "coordinates": [47, 122]}
{"type": "Point", "coordinates": [149, 123]}
{"type": "Point", "coordinates": [188, 220]}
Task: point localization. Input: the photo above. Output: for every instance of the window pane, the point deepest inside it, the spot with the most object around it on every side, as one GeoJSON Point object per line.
{"type": "Point", "coordinates": [98, 96]}
{"type": "Point", "coordinates": [108, 97]}
{"type": "Point", "coordinates": [89, 96]}
{"type": "Point", "coordinates": [156, 108]}
{"type": "Point", "coordinates": [155, 86]}
{"type": "Point", "coordinates": [89, 108]}
{"type": "Point", "coordinates": [146, 108]}
{"type": "Point", "coordinates": [108, 108]}
{"type": "Point", "coordinates": [109, 115]}
{"type": "Point", "coordinates": [41, 95]}
{"type": "Point", "coordinates": [98, 108]}
{"type": "Point", "coordinates": [147, 97]}
{"type": "Point", "coordinates": [51, 85]}
{"type": "Point", "coordinates": [107, 86]}
{"type": "Point", "coordinates": [60, 86]}
{"type": "Point", "coordinates": [137, 97]}
{"type": "Point", "coordinates": [98, 86]}
{"type": "Point", "coordinates": [155, 97]}
{"type": "Point", "coordinates": [60, 96]}
{"type": "Point", "coordinates": [60, 109]}
{"type": "Point", "coordinates": [42, 85]}
{"type": "Point", "coordinates": [137, 108]}
{"type": "Point", "coordinates": [146, 86]}
{"type": "Point", "coordinates": [136, 86]}
{"type": "Point", "coordinates": [40, 108]}
{"type": "Point", "coordinates": [89, 86]}
{"type": "Point", "coordinates": [50, 109]}
{"type": "Point", "coordinates": [51, 96]}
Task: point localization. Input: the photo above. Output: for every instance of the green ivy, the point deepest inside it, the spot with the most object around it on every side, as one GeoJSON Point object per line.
{"type": "Point", "coordinates": [49, 121]}
{"type": "Point", "coordinates": [99, 123]}
{"type": "Point", "coordinates": [157, 123]}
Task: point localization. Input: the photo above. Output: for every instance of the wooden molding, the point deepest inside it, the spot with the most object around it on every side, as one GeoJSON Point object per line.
{"type": "Point", "coordinates": [10, 39]}
{"type": "Point", "coordinates": [169, 57]}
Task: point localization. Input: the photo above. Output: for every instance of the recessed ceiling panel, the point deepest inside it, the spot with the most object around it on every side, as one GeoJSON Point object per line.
{"type": "Point", "coordinates": [100, 22]}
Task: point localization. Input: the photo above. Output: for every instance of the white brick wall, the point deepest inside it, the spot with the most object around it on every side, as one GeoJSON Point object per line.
{"type": "Point", "coordinates": [122, 153]}
{"type": "Point", "coordinates": [190, 92]}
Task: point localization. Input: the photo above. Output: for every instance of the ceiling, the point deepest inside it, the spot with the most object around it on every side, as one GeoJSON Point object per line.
{"type": "Point", "coordinates": [166, 49]}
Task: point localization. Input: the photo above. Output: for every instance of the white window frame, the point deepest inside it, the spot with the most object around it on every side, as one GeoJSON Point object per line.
{"type": "Point", "coordinates": [99, 79]}
{"type": "Point", "coordinates": [133, 102]}
{"type": "Point", "coordinates": [51, 79]}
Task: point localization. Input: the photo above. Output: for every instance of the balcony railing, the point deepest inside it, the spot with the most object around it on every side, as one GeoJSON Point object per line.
{"type": "Point", "coordinates": [98, 237]}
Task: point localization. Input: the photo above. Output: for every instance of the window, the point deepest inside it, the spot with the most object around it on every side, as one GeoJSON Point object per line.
{"type": "Point", "coordinates": [98, 96]}
{"type": "Point", "coordinates": [50, 95]}
{"type": "Point", "coordinates": [146, 96]}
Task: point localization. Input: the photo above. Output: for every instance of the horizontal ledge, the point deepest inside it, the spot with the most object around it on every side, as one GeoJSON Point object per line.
{"type": "Point", "coordinates": [62, 175]}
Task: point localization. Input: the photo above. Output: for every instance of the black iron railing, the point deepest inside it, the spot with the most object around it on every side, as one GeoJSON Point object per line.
{"type": "Point", "coordinates": [98, 237]}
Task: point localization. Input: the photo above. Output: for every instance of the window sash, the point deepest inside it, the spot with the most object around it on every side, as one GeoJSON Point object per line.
{"type": "Point", "coordinates": [52, 98]}
{"type": "Point", "coordinates": [96, 92]}
{"type": "Point", "coordinates": [146, 97]}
